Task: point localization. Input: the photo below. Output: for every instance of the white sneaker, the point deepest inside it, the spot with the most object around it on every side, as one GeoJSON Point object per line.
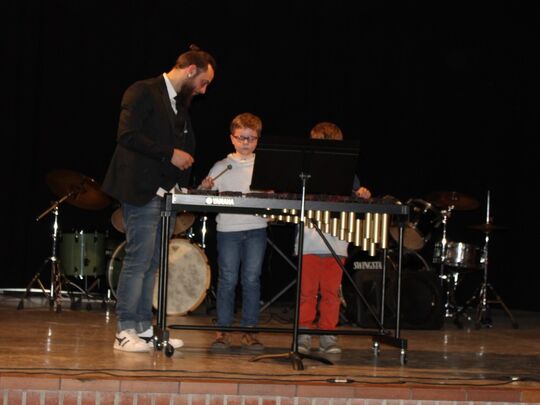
{"type": "Point", "coordinates": [148, 337]}
{"type": "Point", "coordinates": [328, 344]}
{"type": "Point", "coordinates": [128, 341]}
{"type": "Point", "coordinates": [304, 343]}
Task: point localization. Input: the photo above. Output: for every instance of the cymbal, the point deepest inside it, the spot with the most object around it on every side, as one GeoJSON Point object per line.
{"type": "Point", "coordinates": [460, 201]}
{"type": "Point", "coordinates": [487, 228]}
{"type": "Point", "coordinates": [82, 191]}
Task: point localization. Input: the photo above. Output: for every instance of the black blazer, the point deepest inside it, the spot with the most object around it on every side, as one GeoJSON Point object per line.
{"type": "Point", "coordinates": [146, 137]}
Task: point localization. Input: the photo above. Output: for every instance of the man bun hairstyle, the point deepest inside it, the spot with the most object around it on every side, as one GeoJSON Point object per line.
{"type": "Point", "coordinates": [196, 56]}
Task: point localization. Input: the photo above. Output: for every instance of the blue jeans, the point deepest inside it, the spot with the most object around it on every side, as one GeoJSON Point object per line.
{"type": "Point", "coordinates": [141, 261]}
{"type": "Point", "coordinates": [242, 253]}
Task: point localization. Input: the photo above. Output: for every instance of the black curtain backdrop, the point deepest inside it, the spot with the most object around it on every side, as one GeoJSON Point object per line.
{"type": "Point", "coordinates": [443, 96]}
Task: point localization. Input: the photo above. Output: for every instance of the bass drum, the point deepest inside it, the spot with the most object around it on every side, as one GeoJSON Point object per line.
{"type": "Point", "coordinates": [188, 281]}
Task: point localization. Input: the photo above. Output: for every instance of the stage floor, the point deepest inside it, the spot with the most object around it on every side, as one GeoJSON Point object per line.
{"type": "Point", "coordinates": [500, 363]}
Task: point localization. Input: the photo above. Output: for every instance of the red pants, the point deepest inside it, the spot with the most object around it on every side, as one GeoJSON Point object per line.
{"type": "Point", "coordinates": [320, 274]}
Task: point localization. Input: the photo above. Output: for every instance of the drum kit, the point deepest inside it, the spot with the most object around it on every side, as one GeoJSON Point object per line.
{"type": "Point", "coordinates": [452, 257]}
{"type": "Point", "coordinates": [82, 192]}
{"type": "Point", "coordinates": [81, 254]}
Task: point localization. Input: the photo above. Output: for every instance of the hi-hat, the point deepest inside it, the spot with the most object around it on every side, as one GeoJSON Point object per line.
{"type": "Point", "coordinates": [487, 228]}
{"type": "Point", "coordinates": [459, 201]}
{"type": "Point", "coordinates": [81, 191]}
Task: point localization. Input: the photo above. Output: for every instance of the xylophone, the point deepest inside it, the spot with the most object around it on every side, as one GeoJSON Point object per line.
{"type": "Point", "coordinates": [362, 222]}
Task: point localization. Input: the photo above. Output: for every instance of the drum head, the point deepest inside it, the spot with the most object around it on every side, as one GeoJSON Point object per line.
{"type": "Point", "coordinates": [188, 280]}
{"type": "Point", "coordinates": [412, 239]}
{"type": "Point", "coordinates": [423, 219]}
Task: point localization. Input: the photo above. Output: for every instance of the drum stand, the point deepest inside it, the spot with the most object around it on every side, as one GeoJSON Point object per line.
{"type": "Point", "coordinates": [57, 277]}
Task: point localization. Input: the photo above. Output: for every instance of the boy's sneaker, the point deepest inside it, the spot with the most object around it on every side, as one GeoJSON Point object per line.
{"type": "Point", "coordinates": [222, 342]}
{"type": "Point", "coordinates": [148, 337]}
{"type": "Point", "coordinates": [304, 343]}
{"type": "Point", "coordinates": [328, 344]}
{"type": "Point", "coordinates": [128, 341]}
{"type": "Point", "coordinates": [251, 343]}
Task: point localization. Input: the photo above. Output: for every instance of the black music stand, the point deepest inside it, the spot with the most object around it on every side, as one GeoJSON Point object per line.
{"type": "Point", "coordinates": [330, 167]}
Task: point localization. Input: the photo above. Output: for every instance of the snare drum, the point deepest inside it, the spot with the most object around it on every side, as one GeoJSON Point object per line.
{"type": "Point", "coordinates": [458, 254]}
{"type": "Point", "coordinates": [82, 254]}
{"type": "Point", "coordinates": [188, 280]}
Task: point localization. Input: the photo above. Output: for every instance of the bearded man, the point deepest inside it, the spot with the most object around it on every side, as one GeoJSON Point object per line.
{"type": "Point", "coordinates": [154, 153]}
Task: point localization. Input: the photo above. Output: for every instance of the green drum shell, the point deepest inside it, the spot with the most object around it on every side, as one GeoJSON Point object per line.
{"type": "Point", "coordinates": [82, 254]}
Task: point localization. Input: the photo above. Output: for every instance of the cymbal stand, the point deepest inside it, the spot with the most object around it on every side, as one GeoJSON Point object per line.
{"type": "Point", "coordinates": [57, 277]}
{"type": "Point", "coordinates": [451, 280]}
{"type": "Point", "coordinates": [483, 315]}
{"type": "Point", "coordinates": [55, 290]}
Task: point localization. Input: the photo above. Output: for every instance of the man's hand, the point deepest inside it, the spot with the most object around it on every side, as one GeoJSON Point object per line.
{"type": "Point", "coordinates": [181, 159]}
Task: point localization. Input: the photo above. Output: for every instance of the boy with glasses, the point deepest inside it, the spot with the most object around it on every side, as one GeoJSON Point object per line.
{"type": "Point", "coordinates": [241, 239]}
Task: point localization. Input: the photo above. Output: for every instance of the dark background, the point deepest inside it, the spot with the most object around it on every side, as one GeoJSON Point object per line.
{"type": "Point", "coordinates": [443, 96]}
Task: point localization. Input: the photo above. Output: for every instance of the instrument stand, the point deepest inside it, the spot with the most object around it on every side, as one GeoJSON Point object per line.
{"type": "Point", "coordinates": [161, 334]}
{"type": "Point", "coordinates": [294, 355]}
{"type": "Point", "coordinates": [57, 277]}
{"type": "Point", "coordinates": [483, 312]}
{"type": "Point", "coordinates": [288, 286]}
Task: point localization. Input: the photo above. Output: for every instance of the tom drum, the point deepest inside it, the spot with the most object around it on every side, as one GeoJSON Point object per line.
{"type": "Point", "coordinates": [82, 254]}
{"type": "Point", "coordinates": [423, 219]}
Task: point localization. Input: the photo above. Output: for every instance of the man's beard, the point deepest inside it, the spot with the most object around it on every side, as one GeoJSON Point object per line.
{"type": "Point", "coordinates": [185, 95]}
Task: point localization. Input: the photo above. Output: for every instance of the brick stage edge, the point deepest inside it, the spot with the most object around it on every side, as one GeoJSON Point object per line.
{"type": "Point", "coordinates": [67, 357]}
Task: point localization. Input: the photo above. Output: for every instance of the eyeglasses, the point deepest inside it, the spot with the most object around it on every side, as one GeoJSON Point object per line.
{"type": "Point", "coordinates": [248, 139]}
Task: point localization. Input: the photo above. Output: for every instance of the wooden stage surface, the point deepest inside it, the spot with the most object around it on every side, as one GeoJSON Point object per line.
{"type": "Point", "coordinates": [73, 349]}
